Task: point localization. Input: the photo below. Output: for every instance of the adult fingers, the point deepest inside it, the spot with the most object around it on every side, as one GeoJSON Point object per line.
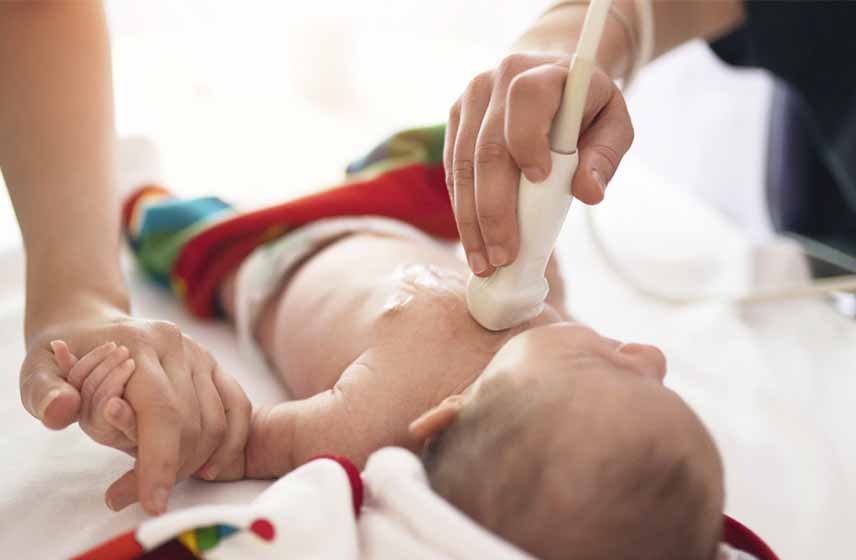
{"type": "Point", "coordinates": [183, 365]}
{"type": "Point", "coordinates": [227, 462]}
{"type": "Point", "coordinates": [44, 392]}
{"type": "Point", "coordinates": [497, 175]}
{"type": "Point", "coordinates": [159, 432]}
{"type": "Point", "coordinates": [449, 148]}
{"type": "Point", "coordinates": [123, 491]}
{"type": "Point", "coordinates": [603, 143]}
{"type": "Point", "coordinates": [473, 106]}
{"type": "Point", "coordinates": [534, 97]}
{"type": "Point", "coordinates": [213, 416]}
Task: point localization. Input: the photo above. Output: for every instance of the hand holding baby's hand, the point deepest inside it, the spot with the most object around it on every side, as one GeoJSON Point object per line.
{"type": "Point", "coordinates": [202, 417]}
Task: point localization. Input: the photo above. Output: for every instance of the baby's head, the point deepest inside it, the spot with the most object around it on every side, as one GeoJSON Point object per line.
{"type": "Point", "coordinates": [569, 445]}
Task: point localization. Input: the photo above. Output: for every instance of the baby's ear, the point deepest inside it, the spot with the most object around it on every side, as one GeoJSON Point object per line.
{"type": "Point", "coordinates": [437, 419]}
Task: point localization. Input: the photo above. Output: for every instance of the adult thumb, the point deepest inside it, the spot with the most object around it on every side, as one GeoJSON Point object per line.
{"type": "Point", "coordinates": [45, 393]}
{"type": "Point", "coordinates": [602, 144]}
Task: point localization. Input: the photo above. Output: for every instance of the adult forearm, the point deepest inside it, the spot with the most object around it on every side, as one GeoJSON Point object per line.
{"type": "Point", "coordinates": [57, 157]}
{"type": "Point", "coordinates": [675, 22]}
{"type": "Point", "coordinates": [558, 31]}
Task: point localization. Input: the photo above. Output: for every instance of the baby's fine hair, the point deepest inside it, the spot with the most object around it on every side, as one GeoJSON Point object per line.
{"type": "Point", "coordinates": [510, 463]}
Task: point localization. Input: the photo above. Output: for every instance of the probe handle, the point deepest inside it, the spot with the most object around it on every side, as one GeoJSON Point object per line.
{"type": "Point", "coordinates": [515, 293]}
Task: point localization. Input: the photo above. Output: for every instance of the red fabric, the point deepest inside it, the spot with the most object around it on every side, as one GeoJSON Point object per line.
{"type": "Point", "coordinates": [415, 194]}
{"type": "Point", "coordinates": [131, 201]}
{"type": "Point", "coordinates": [739, 536]}
{"type": "Point", "coordinates": [123, 547]}
{"type": "Point", "coordinates": [353, 477]}
{"type": "Point", "coordinates": [264, 529]}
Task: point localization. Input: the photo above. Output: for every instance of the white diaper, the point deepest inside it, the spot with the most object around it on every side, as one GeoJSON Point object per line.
{"type": "Point", "coordinates": [263, 273]}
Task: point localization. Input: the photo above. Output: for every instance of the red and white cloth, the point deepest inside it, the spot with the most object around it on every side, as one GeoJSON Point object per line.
{"type": "Point", "coordinates": [326, 509]}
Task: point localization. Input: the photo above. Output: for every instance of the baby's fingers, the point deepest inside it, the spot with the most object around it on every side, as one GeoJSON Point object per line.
{"type": "Point", "coordinates": [227, 462]}
{"type": "Point", "coordinates": [115, 367]}
{"type": "Point", "coordinates": [84, 366]}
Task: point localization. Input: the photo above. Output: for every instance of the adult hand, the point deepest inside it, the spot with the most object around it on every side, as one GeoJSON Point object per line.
{"type": "Point", "coordinates": [500, 126]}
{"type": "Point", "coordinates": [188, 416]}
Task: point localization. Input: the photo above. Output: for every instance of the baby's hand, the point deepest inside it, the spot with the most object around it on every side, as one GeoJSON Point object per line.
{"type": "Point", "coordinates": [212, 422]}
{"type": "Point", "coordinates": [100, 377]}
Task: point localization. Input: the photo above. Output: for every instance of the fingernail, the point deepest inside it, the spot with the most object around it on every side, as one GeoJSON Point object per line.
{"type": "Point", "coordinates": [497, 255]}
{"type": "Point", "coordinates": [210, 473]}
{"type": "Point", "coordinates": [113, 409]}
{"type": "Point", "coordinates": [46, 402]}
{"type": "Point", "coordinates": [477, 262]}
{"type": "Point", "coordinates": [598, 178]}
{"type": "Point", "coordinates": [54, 345]}
{"type": "Point", "coordinates": [159, 498]}
{"type": "Point", "coordinates": [535, 174]}
{"type": "Point", "coordinates": [119, 505]}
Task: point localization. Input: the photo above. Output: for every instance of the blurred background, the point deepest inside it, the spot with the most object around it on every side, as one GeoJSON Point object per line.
{"type": "Point", "coordinates": [259, 98]}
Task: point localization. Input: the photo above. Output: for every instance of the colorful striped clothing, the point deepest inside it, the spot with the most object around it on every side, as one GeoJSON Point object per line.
{"type": "Point", "coordinates": [190, 245]}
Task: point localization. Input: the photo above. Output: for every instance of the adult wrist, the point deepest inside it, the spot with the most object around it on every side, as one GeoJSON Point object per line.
{"type": "Point", "coordinates": [558, 30]}
{"type": "Point", "coordinates": [50, 304]}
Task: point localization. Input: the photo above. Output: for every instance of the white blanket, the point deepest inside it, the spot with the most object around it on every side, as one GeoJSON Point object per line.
{"type": "Point", "coordinates": [775, 383]}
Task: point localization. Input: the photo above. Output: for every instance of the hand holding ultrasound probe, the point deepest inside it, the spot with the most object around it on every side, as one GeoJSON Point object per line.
{"type": "Point", "coordinates": [499, 128]}
{"type": "Point", "coordinates": [515, 293]}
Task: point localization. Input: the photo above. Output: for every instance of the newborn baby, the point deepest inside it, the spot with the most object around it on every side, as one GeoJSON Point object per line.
{"type": "Point", "coordinates": [549, 434]}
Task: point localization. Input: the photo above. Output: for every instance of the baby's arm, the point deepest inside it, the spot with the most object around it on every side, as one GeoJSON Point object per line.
{"type": "Point", "coordinates": [369, 407]}
{"type": "Point", "coordinates": [100, 377]}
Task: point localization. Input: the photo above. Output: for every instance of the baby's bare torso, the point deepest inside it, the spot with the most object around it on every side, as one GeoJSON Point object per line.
{"type": "Point", "coordinates": [403, 299]}
{"type": "Point", "coordinates": [381, 324]}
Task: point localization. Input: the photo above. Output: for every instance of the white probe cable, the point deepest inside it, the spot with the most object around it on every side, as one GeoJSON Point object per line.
{"type": "Point", "coordinates": [815, 288]}
{"type": "Point", "coordinates": [515, 293]}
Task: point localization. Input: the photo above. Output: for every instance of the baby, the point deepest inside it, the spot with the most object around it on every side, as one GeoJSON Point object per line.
{"type": "Point", "coordinates": [563, 444]}
{"type": "Point", "coordinates": [551, 435]}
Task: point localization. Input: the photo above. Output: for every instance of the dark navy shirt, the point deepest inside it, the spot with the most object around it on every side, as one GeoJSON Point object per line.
{"type": "Point", "coordinates": [811, 47]}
